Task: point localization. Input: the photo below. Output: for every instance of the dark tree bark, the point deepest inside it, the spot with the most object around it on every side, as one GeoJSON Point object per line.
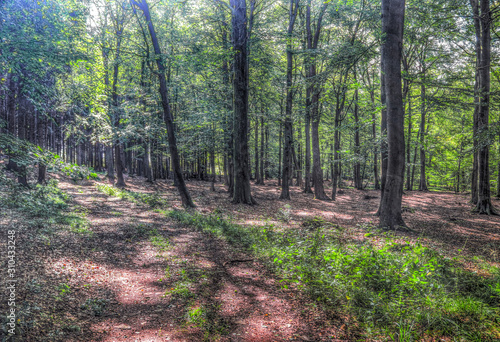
{"type": "Point", "coordinates": [212, 160]}
{"type": "Point", "coordinates": [498, 169]}
{"type": "Point", "coordinates": [358, 182]}
{"type": "Point", "coordinates": [11, 112]}
{"type": "Point", "coordinates": [257, 162]}
{"type": "Point", "coordinates": [21, 169]}
{"type": "Point", "coordinates": [392, 28]}
{"type": "Point", "coordinates": [279, 153]}
{"type": "Point", "coordinates": [42, 168]}
{"type": "Point", "coordinates": [484, 205]}
{"type": "Point", "coordinates": [288, 128]}
{"type": "Point", "coordinates": [307, 127]}
{"type": "Point", "coordinates": [262, 161]}
{"type": "Point", "coordinates": [242, 191]}
{"type": "Point", "coordinates": [167, 115]}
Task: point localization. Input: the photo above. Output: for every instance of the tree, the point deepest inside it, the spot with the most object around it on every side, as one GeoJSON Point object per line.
{"type": "Point", "coordinates": [313, 92]}
{"type": "Point", "coordinates": [288, 127]}
{"type": "Point", "coordinates": [392, 30]}
{"type": "Point", "coordinates": [167, 114]}
{"type": "Point", "coordinates": [484, 205]}
{"type": "Point", "coordinates": [242, 191]}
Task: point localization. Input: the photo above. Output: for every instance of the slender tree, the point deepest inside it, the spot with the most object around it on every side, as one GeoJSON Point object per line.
{"type": "Point", "coordinates": [167, 114]}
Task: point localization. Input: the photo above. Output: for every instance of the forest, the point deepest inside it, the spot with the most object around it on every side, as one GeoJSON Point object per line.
{"type": "Point", "coordinates": [249, 170]}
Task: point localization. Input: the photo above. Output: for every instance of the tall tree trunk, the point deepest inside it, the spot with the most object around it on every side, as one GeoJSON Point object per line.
{"type": "Point", "coordinates": [262, 161]}
{"type": "Point", "coordinates": [212, 160]}
{"type": "Point", "coordinates": [257, 167]}
{"type": "Point", "coordinates": [279, 153]}
{"type": "Point", "coordinates": [120, 182]}
{"type": "Point", "coordinates": [288, 128]}
{"type": "Point", "coordinates": [336, 149]}
{"type": "Point", "coordinates": [242, 191]}
{"type": "Point", "coordinates": [484, 205]}
{"type": "Point", "coordinates": [392, 29]}
{"type": "Point", "coordinates": [312, 45]}
{"type": "Point", "coordinates": [12, 114]}
{"type": "Point", "coordinates": [42, 168]}
{"type": "Point", "coordinates": [358, 183]}
{"type": "Point", "coordinates": [498, 169]}
{"type": "Point", "coordinates": [21, 169]}
{"type": "Point", "coordinates": [167, 115]}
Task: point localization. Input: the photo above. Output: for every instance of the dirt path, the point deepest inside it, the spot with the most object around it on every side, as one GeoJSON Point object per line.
{"type": "Point", "coordinates": [141, 277]}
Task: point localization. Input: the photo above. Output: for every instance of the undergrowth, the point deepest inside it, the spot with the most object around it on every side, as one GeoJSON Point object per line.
{"type": "Point", "coordinates": [154, 200]}
{"type": "Point", "coordinates": [41, 206]}
{"type": "Point", "coordinates": [402, 291]}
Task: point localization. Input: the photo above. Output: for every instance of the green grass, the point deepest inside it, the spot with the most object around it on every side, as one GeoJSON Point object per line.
{"type": "Point", "coordinates": [406, 291]}
{"type": "Point", "coordinates": [43, 206]}
{"type": "Point", "coordinates": [153, 200]}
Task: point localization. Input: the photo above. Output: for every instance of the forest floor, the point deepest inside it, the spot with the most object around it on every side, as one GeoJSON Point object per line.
{"type": "Point", "coordinates": [129, 273]}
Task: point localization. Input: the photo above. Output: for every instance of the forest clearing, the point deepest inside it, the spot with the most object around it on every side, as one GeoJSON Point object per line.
{"type": "Point", "coordinates": [249, 170]}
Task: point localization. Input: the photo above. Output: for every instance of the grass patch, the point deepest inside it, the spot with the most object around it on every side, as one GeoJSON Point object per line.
{"type": "Point", "coordinates": [43, 207]}
{"type": "Point", "coordinates": [406, 291]}
{"type": "Point", "coordinates": [153, 200]}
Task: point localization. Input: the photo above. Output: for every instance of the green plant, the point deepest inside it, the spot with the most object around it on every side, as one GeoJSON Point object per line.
{"type": "Point", "coordinates": [403, 290]}
{"type": "Point", "coordinates": [96, 305]}
{"type": "Point", "coordinates": [285, 213]}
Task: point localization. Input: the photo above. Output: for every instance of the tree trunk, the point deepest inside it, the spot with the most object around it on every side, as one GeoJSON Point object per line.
{"type": "Point", "coordinates": [42, 168]}
{"type": "Point", "coordinates": [242, 191]}
{"type": "Point", "coordinates": [212, 161]}
{"type": "Point", "coordinates": [120, 182]}
{"type": "Point", "coordinates": [358, 183]}
{"type": "Point", "coordinates": [11, 112]}
{"type": "Point", "coordinates": [262, 162]}
{"type": "Point", "coordinates": [257, 164]}
{"type": "Point", "coordinates": [484, 205]}
{"type": "Point", "coordinates": [392, 29]}
{"type": "Point", "coordinates": [314, 92]}
{"type": "Point", "coordinates": [279, 153]}
{"type": "Point", "coordinates": [167, 115]}
{"type": "Point", "coordinates": [288, 129]}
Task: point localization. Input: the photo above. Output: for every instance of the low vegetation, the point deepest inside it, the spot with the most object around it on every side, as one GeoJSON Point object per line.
{"type": "Point", "coordinates": [402, 290]}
